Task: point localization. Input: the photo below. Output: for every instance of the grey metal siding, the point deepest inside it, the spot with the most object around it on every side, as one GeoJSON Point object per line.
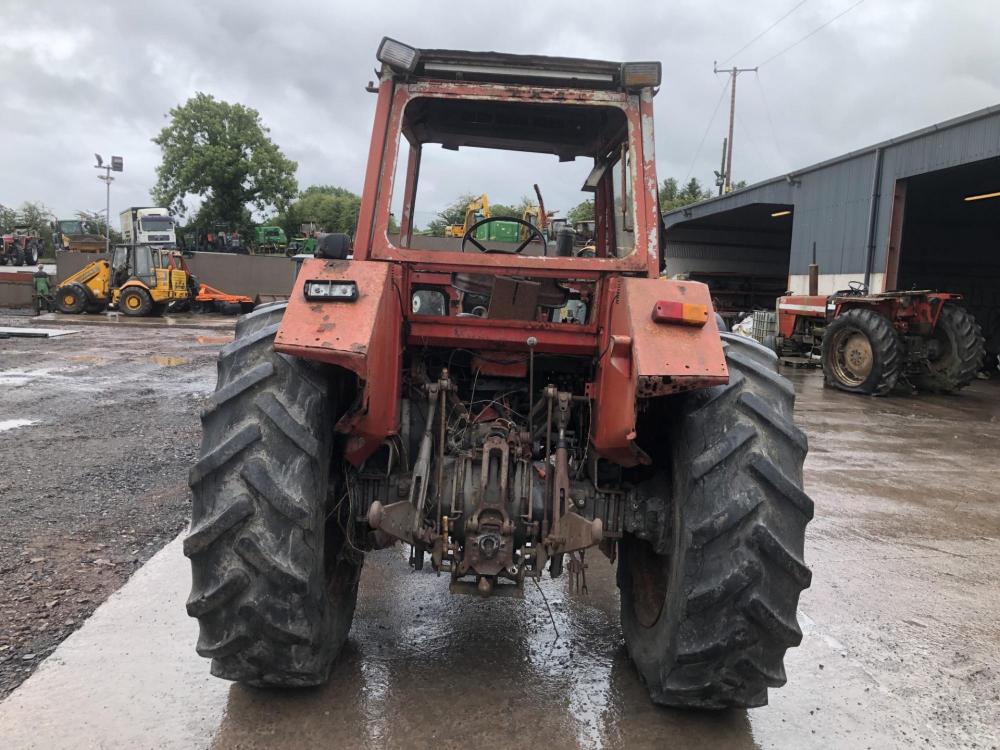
{"type": "Point", "coordinates": [831, 200]}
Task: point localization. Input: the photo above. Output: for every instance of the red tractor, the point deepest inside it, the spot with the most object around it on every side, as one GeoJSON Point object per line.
{"type": "Point", "coordinates": [502, 407]}
{"type": "Point", "coordinates": [20, 248]}
{"type": "Point", "coordinates": [868, 343]}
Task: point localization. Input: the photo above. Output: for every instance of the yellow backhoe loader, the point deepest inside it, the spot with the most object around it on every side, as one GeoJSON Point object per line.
{"type": "Point", "coordinates": [475, 211]}
{"type": "Point", "coordinates": [139, 280]}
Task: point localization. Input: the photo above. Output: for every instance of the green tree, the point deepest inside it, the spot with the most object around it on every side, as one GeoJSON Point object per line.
{"type": "Point", "coordinates": [222, 153]}
{"type": "Point", "coordinates": [672, 196]}
{"type": "Point", "coordinates": [581, 212]}
{"type": "Point", "coordinates": [454, 213]}
{"type": "Point", "coordinates": [331, 208]}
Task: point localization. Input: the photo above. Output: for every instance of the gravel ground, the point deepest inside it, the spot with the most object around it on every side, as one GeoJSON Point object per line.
{"type": "Point", "coordinates": [98, 431]}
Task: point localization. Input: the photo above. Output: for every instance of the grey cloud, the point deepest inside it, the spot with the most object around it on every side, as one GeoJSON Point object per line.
{"type": "Point", "coordinates": [883, 69]}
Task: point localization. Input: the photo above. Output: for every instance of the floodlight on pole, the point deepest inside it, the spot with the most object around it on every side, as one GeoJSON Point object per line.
{"type": "Point", "coordinates": [115, 165]}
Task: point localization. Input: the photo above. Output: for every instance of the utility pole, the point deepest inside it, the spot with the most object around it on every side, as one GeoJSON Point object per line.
{"type": "Point", "coordinates": [116, 165]}
{"type": "Point", "coordinates": [720, 176]}
{"type": "Point", "coordinates": [732, 73]}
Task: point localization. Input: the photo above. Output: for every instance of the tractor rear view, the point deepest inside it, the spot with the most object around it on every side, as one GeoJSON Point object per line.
{"type": "Point", "coordinates": [502, 407]}
{"type": "Point", "coordinates": [873, 342]}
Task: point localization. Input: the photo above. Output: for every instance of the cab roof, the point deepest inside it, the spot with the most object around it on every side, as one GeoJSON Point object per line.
{"type": "Point", "coordinates": [501, 67]}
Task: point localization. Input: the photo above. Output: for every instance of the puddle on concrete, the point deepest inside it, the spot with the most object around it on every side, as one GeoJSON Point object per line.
{"type": "Point", "coordinates": [18, 376]}
{"type": "Point", "coordinates": [166, 361]}
{"type": "Point", "coordinates": [213, 339]}
{"type": "Point", "coordinates": [10, 424]}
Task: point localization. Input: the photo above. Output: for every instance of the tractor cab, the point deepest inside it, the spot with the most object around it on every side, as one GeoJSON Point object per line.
{"type": "Point", "coordinates": [503, 122]}
{"type": "Point", "coordinates": [144, 279]}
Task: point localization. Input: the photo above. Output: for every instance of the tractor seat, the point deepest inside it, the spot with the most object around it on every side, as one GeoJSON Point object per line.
{"type": "Point", "coordinates": [512, 297]}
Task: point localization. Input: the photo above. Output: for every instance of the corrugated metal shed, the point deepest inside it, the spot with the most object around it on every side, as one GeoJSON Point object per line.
{"type": "Point", "coordinates": [832, 200]}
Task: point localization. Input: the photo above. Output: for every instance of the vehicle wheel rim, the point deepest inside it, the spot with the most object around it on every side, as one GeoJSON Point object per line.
{"type": "Point", "coordinates": [649, 574]}
{"type": "Point", "coordinates": [68, 300]}
{"type": "Point", "coordinates": [852, 357]}
{"type": "Point", "coordinates": [132, 302]}
{"type": "Point", "coordinates": [940, 349]}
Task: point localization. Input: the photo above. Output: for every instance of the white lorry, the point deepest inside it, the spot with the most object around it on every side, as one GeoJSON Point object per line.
{"type": "Point", "coordinates": [148, 226]}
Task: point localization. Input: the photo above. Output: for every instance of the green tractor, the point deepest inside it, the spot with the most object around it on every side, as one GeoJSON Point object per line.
{"type": "Point", "coordinates": [303, 243]}
{"type": "Point", "coordinates": [270, 240]}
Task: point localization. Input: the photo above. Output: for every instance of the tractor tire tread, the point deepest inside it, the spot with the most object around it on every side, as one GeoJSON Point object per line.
{"type": "Point", "coordinates": [886, 345]}
{"type": "Point", "coordinates": [743, 514]}
{"type": "Point", "coordinates": [965, 362]}
{"type": "Point", "coordinates": [259, 517]}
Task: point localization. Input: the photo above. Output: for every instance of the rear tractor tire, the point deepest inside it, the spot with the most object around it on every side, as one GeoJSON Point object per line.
{"type": "Point", "coordinates": [71, 299]}
{"type": "Point", "coordinates": [958, 350]}
{"type": "Point", "coordinates": [275, 578]}
{"type": "Point", "coordinates": [708, 602]}
{"type": "Point", "coordinates": [135, 302]}
{"type": "Point", "coordinates": [862, 353]}
{"type": "Point", "coordinates": [30, 254]}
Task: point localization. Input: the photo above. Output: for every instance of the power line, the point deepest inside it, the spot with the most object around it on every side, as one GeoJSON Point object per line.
{"type": "Point", "coordinates": [797, 6]}
{"type": "Point", "coordinates": [711, 120]}
{"type": "Point", "coordinates": [811, 33]}
{"type": "Point", "coordinates": [767, 111]}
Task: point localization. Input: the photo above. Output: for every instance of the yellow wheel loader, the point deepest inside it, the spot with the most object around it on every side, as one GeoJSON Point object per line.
{"type": "Point", "coordinates": [139, 280]}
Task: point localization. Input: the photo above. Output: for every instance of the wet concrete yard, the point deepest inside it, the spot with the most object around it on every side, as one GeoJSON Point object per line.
{"type": "Point", "coordinates": [901, 637]}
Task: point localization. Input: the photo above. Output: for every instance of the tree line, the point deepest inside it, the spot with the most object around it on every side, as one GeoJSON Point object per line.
{"type": "Point", "coordinates": [220, 157]}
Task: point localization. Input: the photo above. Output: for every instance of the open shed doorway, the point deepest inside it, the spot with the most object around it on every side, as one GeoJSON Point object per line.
{"type": "Point", "coordinates": [742, 255]}
{"type": "Point", "coordinates": [950, 240]}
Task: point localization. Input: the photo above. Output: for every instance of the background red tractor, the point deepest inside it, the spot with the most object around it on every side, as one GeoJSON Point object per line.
{"type": "Point", "coordinates": [20, 248]}
{"type": "Point", "coordinates": [869, 343]}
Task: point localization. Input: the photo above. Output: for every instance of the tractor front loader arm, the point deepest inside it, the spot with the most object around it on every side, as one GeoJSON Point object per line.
{"type": "Point", "coordinates": [347, 313]}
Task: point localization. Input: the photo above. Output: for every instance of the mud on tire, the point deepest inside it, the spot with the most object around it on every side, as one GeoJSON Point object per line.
{"type": "Point", "coordinates": [886, 355]}
{"type": "Point", "coordinates": [962, 350]}
{"type": "Point", "coordinates": [709, 607]}
{"type": "Point", "coordinates": [274, 584]}
{"type": "Point", "coordinates": [71, 299]}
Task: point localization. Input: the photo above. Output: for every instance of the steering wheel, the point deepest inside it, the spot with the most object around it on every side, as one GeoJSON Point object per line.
{"type": "Point", "coordinates": [535, 232]}
{"type": "Point", "coordinates": [857, 287]}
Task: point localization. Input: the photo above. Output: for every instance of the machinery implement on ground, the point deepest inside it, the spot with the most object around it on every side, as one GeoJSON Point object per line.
{"type": "Point", "coordinates": [270, 240]}
{"type": "Point", "coordinates": [20, 248]}
{"type": "Point", "coordinates": [140, 280]}
{"type": "Point", "coordinates": [77, 236]}
{"type": "Point", "coordinates": [502, 408]}
{"type": "Point", "coordinates": [220, 239]}
{"type": "Point", "coordinates": [869, 343]}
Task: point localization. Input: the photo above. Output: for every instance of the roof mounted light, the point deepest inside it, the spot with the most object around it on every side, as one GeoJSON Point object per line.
{"type": "Point", "coordinates": [639, 75]}
{"type": "Point", "coordinates": [397, 55]}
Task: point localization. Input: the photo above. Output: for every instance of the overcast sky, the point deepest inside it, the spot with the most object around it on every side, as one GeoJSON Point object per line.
{"type": "Point", "coordinates": [84, 77]}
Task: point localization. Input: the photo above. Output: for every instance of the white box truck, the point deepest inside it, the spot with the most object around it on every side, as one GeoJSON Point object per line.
{"type": "Point", "coordinates": [148, 226]}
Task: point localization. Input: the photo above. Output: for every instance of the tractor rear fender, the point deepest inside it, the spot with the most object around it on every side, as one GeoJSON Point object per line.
{"type": "Point", "coordinates": [644, 357]}
{"type": "Point", "coordinates": [362, 335]}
